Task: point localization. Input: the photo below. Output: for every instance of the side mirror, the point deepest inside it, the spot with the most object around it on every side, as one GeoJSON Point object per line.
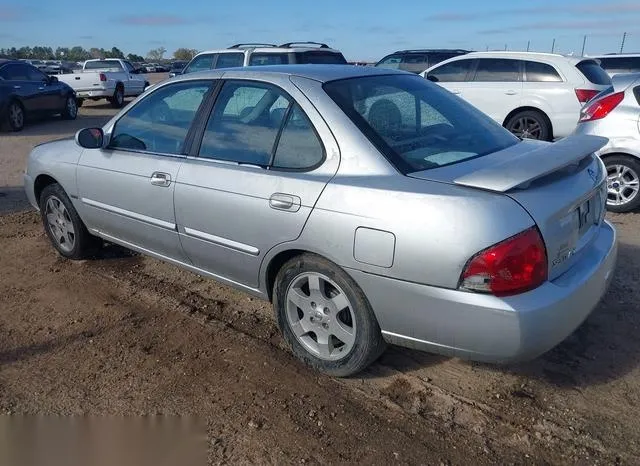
{"type": "Point", "coordinates": [90, 138]}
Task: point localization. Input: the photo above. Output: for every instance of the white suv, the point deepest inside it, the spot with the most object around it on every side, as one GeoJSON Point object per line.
{"type": "Point", "coordinates": [265, 54]}
{"type": "Point", "coordinates": [534, 95]}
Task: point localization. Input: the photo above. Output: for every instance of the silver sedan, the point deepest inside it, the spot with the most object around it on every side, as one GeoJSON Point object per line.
{"type": "Point", "coordinates": [615, 114]}
{"type": "Point", "coordinates": [369, 206]}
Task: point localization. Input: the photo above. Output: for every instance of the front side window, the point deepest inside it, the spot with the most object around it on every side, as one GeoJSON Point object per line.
{"type": "Point", "coordinates": [497, 70]}
{"type": "Point", "coordinates": [455, 71]}
{"type": "Point", "coordinates": [415, 124]}
{"type": "Point", "coordinates": [261, 59]}
{"type": "Point", "coordinates": [200, 63]}
{"type": "Point", "coordinates": [540, 72]}
{"type": "Point", "coordinates": [161, 121]}
{"type": "Point", "coordinates": [36, 75]}
{"type": "Point", "coordinates": [230, 60]}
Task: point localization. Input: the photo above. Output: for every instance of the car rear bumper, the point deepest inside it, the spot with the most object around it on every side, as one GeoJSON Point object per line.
{"type": "Point", "coordinates": [94, 93]}
{"type": "Point", "coordinates": [487, 328]}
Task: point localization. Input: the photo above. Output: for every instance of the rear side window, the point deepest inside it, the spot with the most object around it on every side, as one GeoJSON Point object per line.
{"type": "Point", "coordinates": [299, 147]}
{"type": "Point", "coordinates": [593, 72]}
{"type": "Point", "coordinates": [497, 70]}
{"type": "Point", "coordinates": [437, 57]}
{"type": "Point", "coordinates": [455, 71]}
{"type": "Point", "coordinates": [15, 73]}
{"type": "Point", "coordinates": [540, 72]}
{"type": "Point", "coordinates": [230, 60]}
{"type": "Point", "coordinates": [620, 63]}
{"type": "Point", "coordinates": [200, 63]}
{"type": "Point", "coordinates": [392, 62]}
{"type": "Point", "coordinates": [321, 58]}
{"type": "Point", "coordinates": [260, 59]}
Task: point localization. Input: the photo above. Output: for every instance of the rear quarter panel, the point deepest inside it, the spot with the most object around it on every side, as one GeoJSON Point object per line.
{"type": "Point", "coordinates": [437, 227]}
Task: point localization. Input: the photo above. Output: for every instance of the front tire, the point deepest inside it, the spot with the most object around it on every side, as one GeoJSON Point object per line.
{"type": "Point", "coordinates": [325, 317]}
{"type": "Point", "coordinates": [70, 111]}
{"type": "Point", "coordinates": [623, 180]}
{"type": "Point", "coordinates": [63, 225]}
{"type": "Point", "coordinates": [117, 101]}
{"type": "Point", "coordinates": [530, 124]}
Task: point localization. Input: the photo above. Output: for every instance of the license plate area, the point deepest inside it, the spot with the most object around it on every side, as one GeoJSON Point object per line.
{"type": "Point", "coordinates": [592, 211]}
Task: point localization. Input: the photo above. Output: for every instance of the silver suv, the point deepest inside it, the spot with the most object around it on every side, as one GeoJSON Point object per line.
{"type": "Point", "coordinates": [265, 54]}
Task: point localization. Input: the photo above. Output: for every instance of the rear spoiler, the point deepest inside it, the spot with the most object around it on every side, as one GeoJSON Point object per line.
{"type": "Point", "coordinates": [525, 167]}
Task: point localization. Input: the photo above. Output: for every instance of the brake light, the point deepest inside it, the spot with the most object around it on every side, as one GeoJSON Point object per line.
{"type": "Point", "coordinates": [585, 95]}
{"type": "Point", "coordinates": [513, 266]}
{"type": "Point", "coordinates": [601, 107]}
{"type": "Point", "coordinates": [103, 77]}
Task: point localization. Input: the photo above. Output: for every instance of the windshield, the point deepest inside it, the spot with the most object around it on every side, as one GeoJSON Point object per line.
{"type": "Point", "coordinates": [417, 125]}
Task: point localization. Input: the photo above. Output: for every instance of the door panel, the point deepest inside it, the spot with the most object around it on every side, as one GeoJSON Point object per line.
{"type": "Point", "coordinates": [126, 190]}
{"type": "Point", "coordinates": [118, 198]}
{"type": "Point", "coordinates": [231, 214]}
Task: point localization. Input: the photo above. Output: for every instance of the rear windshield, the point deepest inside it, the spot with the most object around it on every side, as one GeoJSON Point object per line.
{"type": "Point", "coordinates": [417, 125]}
{"type": "Point", "coordinates": [320, 58]}
{"type": "Point", "coordinates": [103, 65]}
{"type": "Point", "coordinates": [593, 72]}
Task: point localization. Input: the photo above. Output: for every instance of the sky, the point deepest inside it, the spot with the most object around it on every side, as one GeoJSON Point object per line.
{"type": "Point", "coordinates": [362, 30]}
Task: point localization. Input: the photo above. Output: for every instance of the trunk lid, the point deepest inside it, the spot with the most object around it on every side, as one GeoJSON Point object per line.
{"type": "Point", "coordinates": [561, 185]}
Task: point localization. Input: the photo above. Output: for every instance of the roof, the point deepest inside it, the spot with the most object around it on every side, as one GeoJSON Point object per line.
{"type": "Point", "coordinates": [271, 50]}
{"type": "Point", "coordinates": [321, 73]}
{"type": "Point", "coordinates": [616, 55]}
{"type": "Point", "coordinates": [461, 51]}
{"type": "Point", "coordinates": [524, 56]}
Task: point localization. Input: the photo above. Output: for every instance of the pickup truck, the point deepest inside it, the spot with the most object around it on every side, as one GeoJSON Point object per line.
{"type": "Point", "coordinates": [111, 79]}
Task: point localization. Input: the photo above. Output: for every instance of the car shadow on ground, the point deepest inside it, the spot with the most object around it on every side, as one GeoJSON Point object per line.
{"type": "Point", "coordinates": [13, 199]}
{"type": "Point", "coordinates": [604, 348]}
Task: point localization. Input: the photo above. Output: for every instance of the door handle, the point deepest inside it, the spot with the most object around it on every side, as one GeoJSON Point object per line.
{"type": "Point", "coordinates": [17, 87]}
{"type": "Point", "coordinates": [41, 88]}
{"type": "Point", "coordinates": [160, 179]}
{"type": "Point", "coordinates": [280, 201]}
{"type": "Point", "coordinates": [510, 92]}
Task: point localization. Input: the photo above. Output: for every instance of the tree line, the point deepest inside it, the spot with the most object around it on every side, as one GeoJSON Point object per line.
{"type": "Point", "coordinates": [78, 53]}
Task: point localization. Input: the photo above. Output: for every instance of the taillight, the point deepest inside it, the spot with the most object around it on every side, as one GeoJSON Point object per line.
{"type": "Point", "coordinates": [601, 107]}
{"type": "Point", "coordinates": [513, 266]}
{"type": "Point", "coordinates": [103, 77]}
{"type": "Point", "coordinates": [585, 95]}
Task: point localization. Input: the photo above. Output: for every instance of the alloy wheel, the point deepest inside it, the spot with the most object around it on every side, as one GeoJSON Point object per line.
{"type": "Point", "coordinates": [72, 107]}
{"type": "Point", "coordinates": [60, 224]}
{"type": "Point", "coordinates": [623, 185]}
{"type": "Point", "coordinates": [527, 128]}
{"type": "Point", "coordinates": [321, 316]}
{"type": "Point", "coordinates": [16, 116]}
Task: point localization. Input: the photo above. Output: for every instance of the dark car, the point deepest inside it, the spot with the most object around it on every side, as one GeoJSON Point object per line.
{"type": "Point", "coordinates": [26, 92]}
{"type": "Point", "coordinates": [177, 67]}
{"type": "Point", "coordinates": [418, 60]}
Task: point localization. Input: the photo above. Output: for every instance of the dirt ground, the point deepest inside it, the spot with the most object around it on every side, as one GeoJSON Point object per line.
{"type": "Point", "coordinates": [127, 335]}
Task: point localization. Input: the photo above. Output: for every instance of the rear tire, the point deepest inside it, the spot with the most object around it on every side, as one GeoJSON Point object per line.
{"type": "Point", "coordinates": [117, 101]}
{"type": "Point", "coordinates": [14, 120]}
{"type": "Point", "coordinates": [623, 178]}
{"type": "Point", "coordinates": [66, 231]}
{"type": "Point", "coordinates": [325, 317]}
{"type": "Point", "coordinates": [530, 124]}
